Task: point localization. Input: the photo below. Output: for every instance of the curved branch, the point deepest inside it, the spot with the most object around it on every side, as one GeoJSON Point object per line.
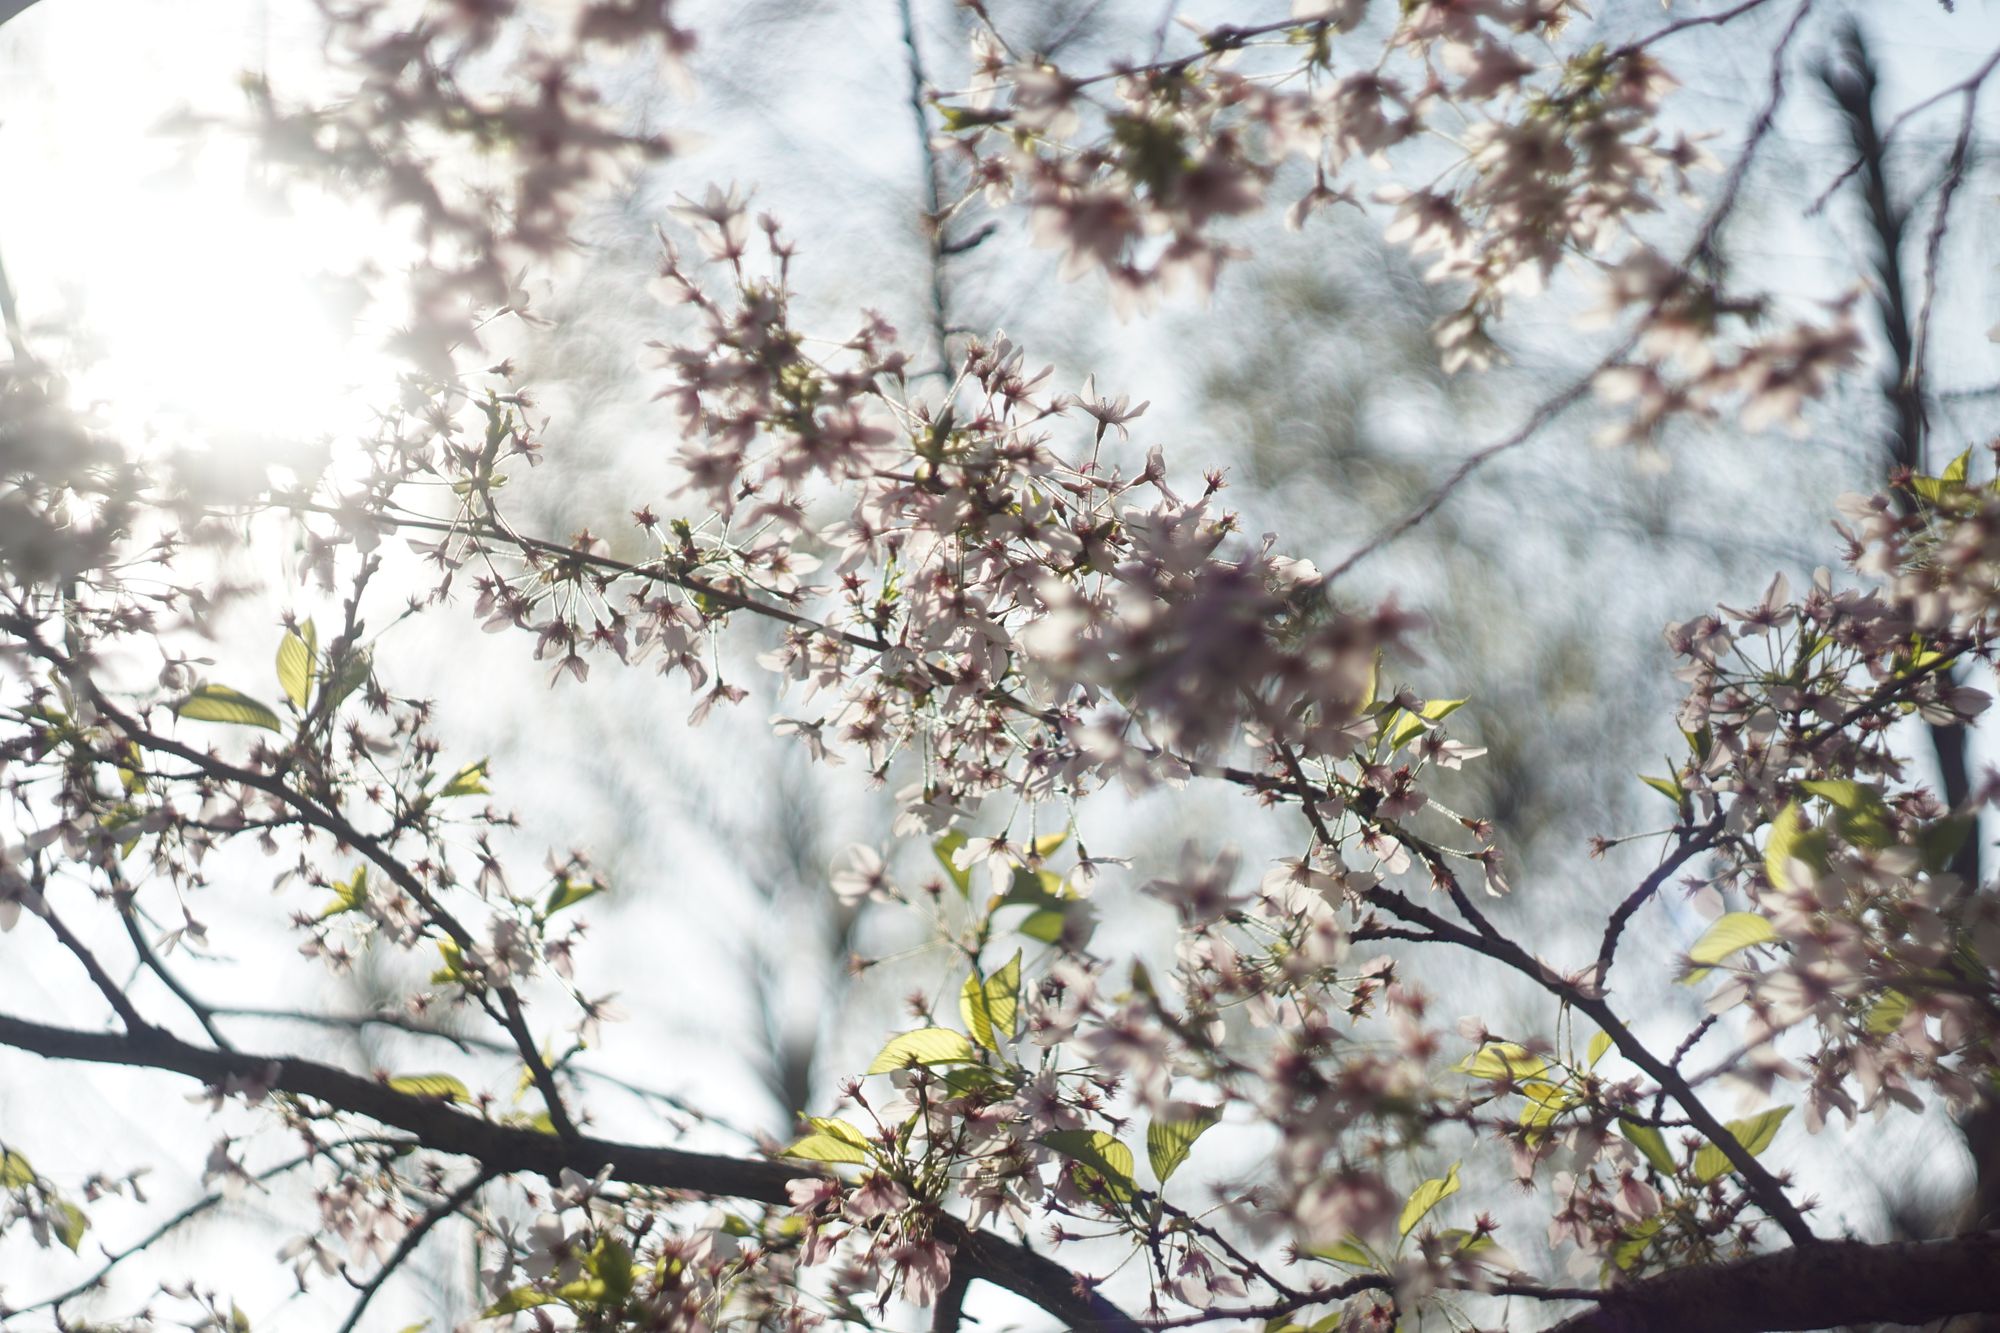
{"type": "Point", "coordinates": [504, 1149]}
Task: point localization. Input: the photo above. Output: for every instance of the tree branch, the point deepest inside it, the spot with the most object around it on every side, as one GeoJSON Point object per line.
{"type": "Point", "coordinates": [1833, 1283]}
{"type": "Point", "coordinates": [505, 1149]}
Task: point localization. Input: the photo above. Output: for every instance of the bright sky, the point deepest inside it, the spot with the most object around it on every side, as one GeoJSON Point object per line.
{"type": "Point", "coordinates": [208, 300]}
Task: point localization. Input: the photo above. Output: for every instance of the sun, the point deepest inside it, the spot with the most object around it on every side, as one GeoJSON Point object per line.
{"type": "Point", "coordinates": [188, 296]}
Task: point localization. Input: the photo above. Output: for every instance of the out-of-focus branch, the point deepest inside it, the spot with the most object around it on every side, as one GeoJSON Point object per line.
{"type": "Point", "coordinates": [1832, 1284]}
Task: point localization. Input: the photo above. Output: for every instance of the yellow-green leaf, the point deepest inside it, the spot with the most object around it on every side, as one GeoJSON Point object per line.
{"type": "Point", "coordinates": [944, 849]}
{"type": "Point", "coordinates": [568, 893]}
{"type": "Point", "coordinates": [1666, 787]}
{"type": "Point", "coordinates": [925, 1046]}
{"type": "Point", "coordinates": [350, 895]}
{"type": "Point", "coordinates": [1731, 932]}
{"type": "Point", "coordinates": [1104, 1156]}
{"type": "Point", "coordinates": [1886, 1013]}
{"type": "Point", "coordinates": [438, 1087]}
{"type": "Point", "coordinates": [468, 781]}
{"type": "Point", "coordinates": [990, 1007]}
{"type": "Point", "coordinates": [1411, 725]}
{"type": "Point", "coordinates": [1651, 1144]}
{"type": "Point", "coordinates": [70, 1224]}
{"type": "Point", "coordinates": [1754, 1133]}
{"type": "Point", "coordinates": [1168, 1142]}
{"type": "Point", "coordinates": [1048, 842]}
{"type": "Point", "coordinates": [1348, 1252]}
{"type": "Point", "coordinates": [1502, 1060]}
{"type": "Point", "coordinates": [1600, 1045]}
{"type": "Point", "coordinates": [515, 1301]}
{"type": "Point", "coordinates": [1426, 1197]}
{"type": "Point", "coordinates": [1546, 1101]}
{"type": "Point", "coordinates": [15, 1173]}
{"type": "Point", "coordinates": [296, 654]}
{"type": "Point", "coordinates": [1790, 841]}
{"type": "Point", "coordinates": [219, 703]}
{"type": "Point", "coordinates": [824, 1147]}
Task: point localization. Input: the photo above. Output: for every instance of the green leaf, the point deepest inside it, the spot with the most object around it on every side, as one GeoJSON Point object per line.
{"type": "Point", "coordinates": [1651, 1144]}
{"type": "Point", "coordinates": [1863, 816]}
{"type": "Point", "coordinates": [1502, 1060]}
{"type": "Point", "coordinates": [611, 1263]}
{"type": "Point", "coordinates": [568, 893]}
{"type": "Point", "coordinates": [1627, 1251]}
{"type": "Point", "coordinates": [70, 1224]}
{"type": "Point", "coordinates": [1955, 471]}
{"type": "Point", "coordinates": [1666, 787]}
{"type": "Point", "coordinates": [943, 849]}
{"type": "Point", "coordinates": [1546, 1101]}
{"type": "Point", "coordinates": [296, 654]}
{"type": "Point", "coordinates": [925, 1046]}
{"type": "Point", "coordinates": [350, 675]}
{"type": "Point", "coordinates": [350, 895]}
{"type": "Point", "coordinates": [1790, 841]}
{"type": "Point", "coordinates": [1731, 932]}
{"type": "Point", "coordinates": [1600, 1045]}
{"type": "Point", "coordinates": [832, 1140]}
{"type": "Point", "coordinates": [1168, 1142]}
{"type": "Point", "coordinates": [1426, 1197]}
{"type": "Point", "coordinates": [826, 1148]}
{"type": "Point", "coordinates": [1105, 1157]}
{"type": "Point", "coordinates": [15, 1173]}
{"type": "Point", "coordinates": [468, 781]}
{"type": "Point", "coordinates": [219, 703]}
{"type": "Point", "coordinates": [1886, 1013]}
{"type": "Point", "coordinates": [1941, 841]}
{"type": "Point", "coordinates": [517, 1300]}
{"type": "Point", "coordinates": [1409, 726]}
{"type": "Point", "coordinates": [1754, 1133]}
{"type": "Point", "coordinates": [1048, 842]}
{"type": "Point", "coordinates": [437, 1087]}
{"type": "Point", "coordinates": [990, 1008]}
{"type": "Point", "coordinates": [1351, 1253]}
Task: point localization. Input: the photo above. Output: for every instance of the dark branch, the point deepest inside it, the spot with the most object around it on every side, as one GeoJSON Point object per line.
{"type": "Point", "coordinates": [505, 1149]}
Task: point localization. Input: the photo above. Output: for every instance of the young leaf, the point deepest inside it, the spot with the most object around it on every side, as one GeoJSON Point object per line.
{"type": "Point", "coordinates": [989, 1008]}
{"type": "Point", "coordinates": [824, 1147]}
{"type": "Point", "coordinates": [1348, 1252]}
{"type": "Point", "coordinates": [1409, 726]}
{"type": "Point", "coordinates": [1666, 787]}
{"type": "Point", "coordinates": [515, 1301]}
{"type": "Point", "coordinates": [295, 664]}
{"type": "Point", "coordinates": [219, 703]}
{"type": "Point", "coordinates": [925, 1046]}
{"type": "Point", "coordinates": [1502, 1060]}
{"type": "Point", "coordinates": [1754, 1133]}
{"type": "Point", "coordinates": [1651, 1144]}
{"type": "Point", "coordinates": [1600, 1045]}
{"type": "Point", "coordinates": [468, 781]}
{"type": "Point", "coordinates": [1731, 932]}
{"type": "Point", "coordinates": [437, 1087]}
{"type": "Point", "coordinates": [15, 1173]}
{"type": "Point", "coordinates": [943, 849]}
{"type": "Point", "coordinates": [1886, 1013]}
{"type": "Point", "coordinates": [1426, 1197]}
{"type": "Point", "coordinates": [70, 1224]}
{"type": "Point", "coordinates": [349, 895]}
{"type": "Point", "coordinates": [568, 893]}
{"type": "Point", "coordinates": [1169, 1141]}
{"type": "Point", "coordinates": [1790, 841]}
{"type": "Point", "coordinates": [1104, 1156]}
